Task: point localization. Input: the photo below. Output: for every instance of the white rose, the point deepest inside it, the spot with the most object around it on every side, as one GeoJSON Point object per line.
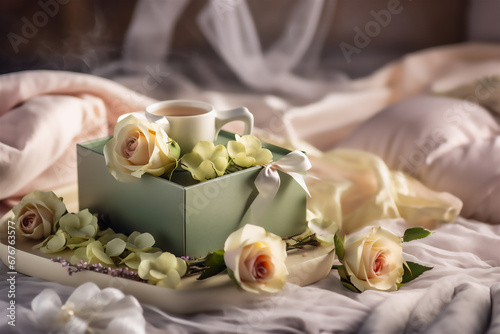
{"type": "Point", "coordinates": [256, 259]}
{"type": "Point", "coordinates": [374, 261]}
{"type": "Point", "coordinates": [37, 213]}
{"type": "Point", "coordinates": [139, 147]}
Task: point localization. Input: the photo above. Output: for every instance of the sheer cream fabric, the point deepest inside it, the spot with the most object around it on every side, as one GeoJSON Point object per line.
{"type": "Point", "coordinates": [448, 144]}
{"type": "Point", "coordinates": [354, 189]}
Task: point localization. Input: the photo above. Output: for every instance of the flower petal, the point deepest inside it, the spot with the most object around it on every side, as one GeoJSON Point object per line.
{"type": "Point", "coordinates": [115, 247]}
{"type": "Point", "coordinates": [55, 243]}
{"type": "Point", "coordinates": [139, 147]}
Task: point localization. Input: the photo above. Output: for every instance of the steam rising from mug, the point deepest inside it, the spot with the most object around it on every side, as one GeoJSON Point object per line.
{"type": "Point", "coordinates": [189, 122]}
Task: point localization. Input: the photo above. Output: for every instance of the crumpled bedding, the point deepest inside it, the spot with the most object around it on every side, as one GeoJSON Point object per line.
{"type": "Point", "coordinates": [44, 114]}
{"type": "Point", "coordinates": [465, 296]}
{"type": "Point", "coordinates": [461, 292]}
{"type": "Point", "coordinates": [451, 144]}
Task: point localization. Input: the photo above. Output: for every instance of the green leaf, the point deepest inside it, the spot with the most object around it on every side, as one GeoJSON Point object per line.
{"type": "Point", "coordinates": [215, 264]}
{"type": "Point", "coordinates": [230, 273]}
{"type": "Point", "coordinates": [169, 174]}
{"type": "Point", "coordinates": [339, 247]}
{"type": "Point", "coordinates": [349, 286]}
{"type": "Point", "coordinates": [343, 273]}
{"type": "Point", "coordinates": [415, 233]}
{"type": "Point", "coordinates": [412, 270]}
{"type": "Point", "coordinates": [175, 149]}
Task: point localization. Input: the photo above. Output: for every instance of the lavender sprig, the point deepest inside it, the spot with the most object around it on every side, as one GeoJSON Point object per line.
{"type": "Point", "coordinates": [98, 268]}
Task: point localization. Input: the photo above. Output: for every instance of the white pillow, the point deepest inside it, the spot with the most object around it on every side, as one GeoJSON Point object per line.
{"type": "Point", "coordinates": [450, 145]}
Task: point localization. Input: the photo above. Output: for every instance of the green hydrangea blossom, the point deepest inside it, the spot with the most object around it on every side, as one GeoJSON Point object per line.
{"type": "Point", "coordinates": [93, 253]}
{"type": "Point", "coordinates": [247, 151]}
{"type": "Point", "coordinates": [133, 260]}
{"type": "Point", "coordinates": [53, 243]}
{"type": "Point", "coordinates": [206, 161]}
{"type": "Point", "coordinates": [80, 225]}
{"type": "Point", "coordinates": [166, 270]}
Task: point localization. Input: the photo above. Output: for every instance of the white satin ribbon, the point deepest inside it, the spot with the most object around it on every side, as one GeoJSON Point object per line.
{"type": "Point", "coordinates": [268, 183]}
{"type": "Point", "coordinates": [88, 310]}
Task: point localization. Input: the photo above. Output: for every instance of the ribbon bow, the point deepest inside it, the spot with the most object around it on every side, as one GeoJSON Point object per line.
{"type": "Point", "coordinates": [268, 182]}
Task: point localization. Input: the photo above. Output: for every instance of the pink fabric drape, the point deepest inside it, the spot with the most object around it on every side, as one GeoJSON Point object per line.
{"type": "Point", "coordinates": [44, 114]}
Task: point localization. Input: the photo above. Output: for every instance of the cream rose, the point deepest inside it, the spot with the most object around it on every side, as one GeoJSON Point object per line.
{"type": "Point", "coordinates": [139, 147]}
{"type": "Point", "coordinates": [374, 261]}
{"type": "Point", "coordinates": [256, 259]}
{"type": "Point", "coordinates": [37, 213]}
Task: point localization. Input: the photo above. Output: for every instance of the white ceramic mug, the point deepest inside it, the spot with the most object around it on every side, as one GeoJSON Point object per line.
{"type": "Point", "coordinates": [189, 122]}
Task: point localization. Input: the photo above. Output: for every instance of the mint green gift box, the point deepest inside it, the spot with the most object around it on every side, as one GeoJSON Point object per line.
{"type": "Point", "coordinates": [186, 217]}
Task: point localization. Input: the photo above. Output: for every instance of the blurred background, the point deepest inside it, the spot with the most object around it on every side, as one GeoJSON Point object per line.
{"type": "Point", "coordinates": [310, 71]}
{"type": "Point", "coordinates": [85, 35]}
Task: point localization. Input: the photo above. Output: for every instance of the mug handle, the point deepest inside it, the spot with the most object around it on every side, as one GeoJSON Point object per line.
{"type": "Point", "coordinates": [239, 114]}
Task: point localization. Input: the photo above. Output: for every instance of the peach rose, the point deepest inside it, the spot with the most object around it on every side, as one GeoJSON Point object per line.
{"type": "Point", "coordinates": [139, 147]}
{"type": "Point", "coordinates": [256, 259]}
{"type": "Point", "coordinates": [37, 213]}
{"type": "Point", "coordinates": [374, 261]}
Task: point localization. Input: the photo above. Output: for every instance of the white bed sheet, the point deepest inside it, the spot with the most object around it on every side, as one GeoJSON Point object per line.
{"type": "Point", "coordinates": [461, 294]}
